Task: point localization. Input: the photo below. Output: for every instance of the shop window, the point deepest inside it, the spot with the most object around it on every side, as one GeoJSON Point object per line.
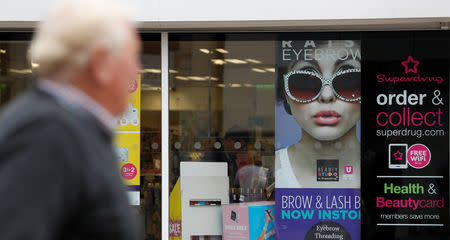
{"type": "Point", "coordinates": [222, 103]}
{"type": "Point", "coordinates": [138, 137]}
{"type": "Point", "coordinates": [309, 135]}
{"type": "Point", "coordinates": [16, 71]}
{"type": "Point", "coordinates": [150, 136]}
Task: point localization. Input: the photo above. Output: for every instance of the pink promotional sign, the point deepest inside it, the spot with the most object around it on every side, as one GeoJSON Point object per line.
{"type": "Point", "coordinates": [128, 171]}
{"type": "Point", "coordinates": [235, 221]}
{"type": "Point", "coordinates": [251, 220]}
{"type": "Point", "coordinates": [419, 156]}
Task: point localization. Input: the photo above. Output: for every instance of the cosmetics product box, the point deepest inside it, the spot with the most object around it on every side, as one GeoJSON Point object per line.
{"type": "Point", "coordinates": [249, 220]}
{"type": "Point", "coordinates": [196, 201]}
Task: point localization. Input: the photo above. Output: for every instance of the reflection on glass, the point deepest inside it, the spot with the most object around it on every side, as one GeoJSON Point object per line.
{"type": "Point", "coordinates": [221, 110]}
{"type": "Point", "coordinates": [151, 137]}
{"type": "Point", "coordinates": [16, 73]}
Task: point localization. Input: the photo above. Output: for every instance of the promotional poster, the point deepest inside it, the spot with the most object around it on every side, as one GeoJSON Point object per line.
{"type": "Point", "coordinates": [127, 141]}
{"type": "Point", "coordinates": [317, 159]}
{"type": "Point", "coordinates": [249, 221]}
{"type": "Point", "coordinates": [405, 138]}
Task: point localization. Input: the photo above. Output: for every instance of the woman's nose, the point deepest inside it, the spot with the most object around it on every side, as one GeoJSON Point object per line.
{"type": "Point", "coordinates": [327, 95]}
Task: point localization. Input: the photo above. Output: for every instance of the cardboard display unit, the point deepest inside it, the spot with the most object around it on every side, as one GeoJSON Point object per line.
{"type": "Point", "coordinates": [196, 201]}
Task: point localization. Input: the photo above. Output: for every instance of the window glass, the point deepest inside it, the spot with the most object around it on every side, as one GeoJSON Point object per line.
{"type": "Point", "coordinates": [222, 100]}
{"type": "Point", "coordinates": [16, 72]}
{"type": "Point", "coordinates": [150, 135]}
{"type": "Point", "coordinates": [351, 129]}
{"type": "Point", "coordinates": [16, 75]}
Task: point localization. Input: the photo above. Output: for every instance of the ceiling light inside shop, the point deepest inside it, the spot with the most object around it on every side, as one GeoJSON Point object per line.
{"type": "Point", "coordinates": [34, 65]}
{"type": "Point", "coordinates": [152, 89]}
{"type": "Point", "coordinates": [2, 51]}
{"type": "Point", "coordinates": [221, 85]}
{"type": "Point", "coordinates": [218, 61]}
{"type": "Point", "coordinates": [148, 87]}
{"type": "Point", "coordinates": [197, 78]}
{"type": "Point", "coordinates": [252, 60]}
{"type": "Point", "coordinates": [151, 70]}
{"type": "Point", "coordinates": [270, 69]}
{"type": "Point", "coordinates": [204, 50]}
{"type": "Point", "coordinates": [181, 78]}
{"type": "Point", "coordinates": [221, 50]}
{"type": "Point", "coordinates": [173, 71]}
{"type": "Point", "coordinates": [214, 78]}
{"type": "Point", "coordinates": [258, 70]}
{"type": "Point", "coordinates": [266, 86]}
{"type": "Point", "coordinates": [235, 85]}
{"type": "Point", "coordinates": [248, 85]}
{"type": "Point", "coordinates": [21, 71]}
{"type": "Point", "coordinates": [235, 61]}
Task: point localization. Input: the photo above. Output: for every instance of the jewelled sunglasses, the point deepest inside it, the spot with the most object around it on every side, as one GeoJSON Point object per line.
{"type": "Point", "coordinates": [306, 86]}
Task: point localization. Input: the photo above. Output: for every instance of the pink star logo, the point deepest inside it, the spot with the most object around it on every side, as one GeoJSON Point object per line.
{"type": "Point", "coordinates": [398, 155]}
{"type": "Point", "coordinates": [407, 65]}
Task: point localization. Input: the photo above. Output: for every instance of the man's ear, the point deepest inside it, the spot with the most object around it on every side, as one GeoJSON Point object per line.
{"type": "Point", "coordinates": [98, 65]}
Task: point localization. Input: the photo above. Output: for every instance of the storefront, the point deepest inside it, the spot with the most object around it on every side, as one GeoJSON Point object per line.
{"type": "Point", "coordinates": [253, 123]}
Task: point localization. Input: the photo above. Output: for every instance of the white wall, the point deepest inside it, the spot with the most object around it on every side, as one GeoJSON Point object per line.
{"type": "Point", "coordinates": [160, 14]}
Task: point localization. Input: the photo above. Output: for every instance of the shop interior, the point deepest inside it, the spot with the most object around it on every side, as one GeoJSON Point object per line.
{"type": "Point", "coordinates": [221, 110]}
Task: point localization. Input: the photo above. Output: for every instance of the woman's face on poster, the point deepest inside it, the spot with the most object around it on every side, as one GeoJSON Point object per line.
{"type": "Point", "coordinates": [328, 117]}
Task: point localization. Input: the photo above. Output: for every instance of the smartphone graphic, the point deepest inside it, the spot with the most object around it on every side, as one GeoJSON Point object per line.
{"type": "Point", "coordinates": [234, 216]}
{"type": "Point", "coordinates": [268, 214]}
{"type": "Point", "coordinates": [397, 155]}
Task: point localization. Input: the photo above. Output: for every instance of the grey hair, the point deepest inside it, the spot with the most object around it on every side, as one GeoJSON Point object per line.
{"type": "Point", "coordinates": [64, 41]}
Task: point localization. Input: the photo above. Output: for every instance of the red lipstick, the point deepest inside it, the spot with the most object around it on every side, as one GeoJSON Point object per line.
{"type": "Point", "coordinates": [328, 117]}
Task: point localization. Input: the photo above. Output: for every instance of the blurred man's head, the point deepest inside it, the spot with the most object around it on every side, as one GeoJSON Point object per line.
{"type": "Point", "coordinates": [91, 44]}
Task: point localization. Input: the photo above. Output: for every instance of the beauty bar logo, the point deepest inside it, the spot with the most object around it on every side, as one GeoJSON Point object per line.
{"type": "Point", "coordinates": [327, 170]}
